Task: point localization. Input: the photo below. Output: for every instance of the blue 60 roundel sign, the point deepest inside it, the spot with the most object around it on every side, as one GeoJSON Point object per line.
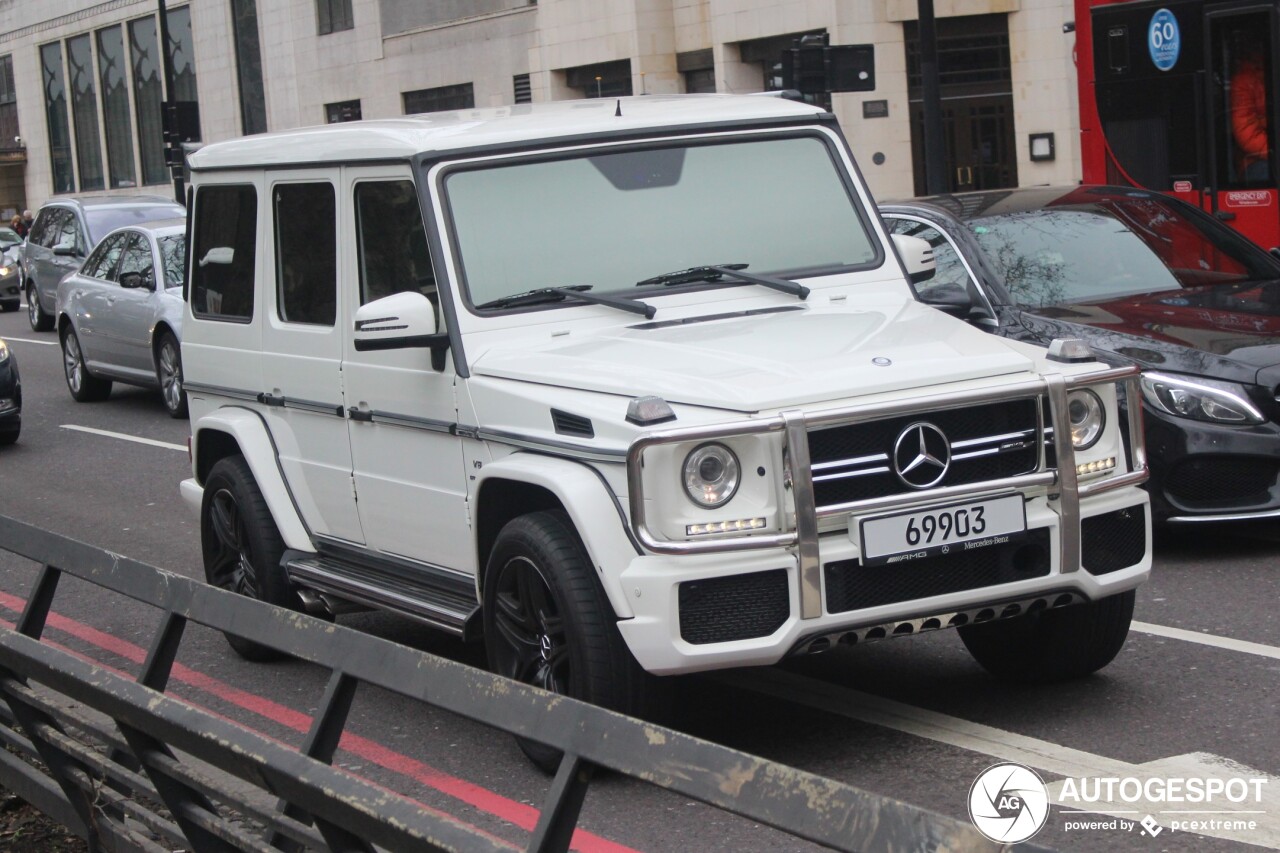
{"type": "Point", "coordinates": [1164, 39]}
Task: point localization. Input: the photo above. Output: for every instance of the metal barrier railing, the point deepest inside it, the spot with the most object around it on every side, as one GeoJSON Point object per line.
{"type": "Point", "coordinates": [127, 767]}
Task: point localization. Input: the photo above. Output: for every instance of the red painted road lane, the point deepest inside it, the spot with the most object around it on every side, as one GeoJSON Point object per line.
{"type": "Point", "coordinates": [504, 808]}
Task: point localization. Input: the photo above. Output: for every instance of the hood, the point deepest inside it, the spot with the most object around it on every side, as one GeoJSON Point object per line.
{"type": "Point", "coordinates": [1221, 332]}
{"type": "Point", "coordinates": [764, 360]}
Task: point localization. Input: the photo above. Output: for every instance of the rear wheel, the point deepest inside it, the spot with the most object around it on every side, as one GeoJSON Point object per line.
{"type": "Point", "coordinates": [242, 546]}
{"type": "Point", "coordinates": [169, 374]}
{"type": "Point", "coordinates": [83, 385]}
{"type": "Point", "coordinates": [39, 320]}
{"type": "Point", "coordinates": [1053, 645]}
{"type": "Point", "coordinates": [9, 437]}
{"type": "Point", "coordinates": [547, 622]}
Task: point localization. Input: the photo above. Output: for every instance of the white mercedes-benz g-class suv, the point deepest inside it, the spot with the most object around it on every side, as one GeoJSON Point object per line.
{"type": "Point", "coordinates": [634, 386]}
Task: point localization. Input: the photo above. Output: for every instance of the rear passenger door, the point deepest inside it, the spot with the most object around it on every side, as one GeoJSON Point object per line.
{"type": "Point", "coordinates": [302, 350]}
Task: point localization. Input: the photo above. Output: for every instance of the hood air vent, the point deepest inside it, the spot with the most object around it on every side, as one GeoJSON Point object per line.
{"type": "Point", "coordinates": [575, 425]}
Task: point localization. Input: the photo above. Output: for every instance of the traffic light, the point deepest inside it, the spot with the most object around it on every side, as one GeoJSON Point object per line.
{"type": "Point", "coordinates": [180, 121]}
{"type": "Point", "coordinates": [815, 67]}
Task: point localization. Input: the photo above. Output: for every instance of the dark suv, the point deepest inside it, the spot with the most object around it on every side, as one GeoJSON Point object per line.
{"type": "Point", "coordinates": [66, 230]}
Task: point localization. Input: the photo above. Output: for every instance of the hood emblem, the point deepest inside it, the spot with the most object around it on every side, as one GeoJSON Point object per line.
{"type": "Point", "coordinates": [921, 455]}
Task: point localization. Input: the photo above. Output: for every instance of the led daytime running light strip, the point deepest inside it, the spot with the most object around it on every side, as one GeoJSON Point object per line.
{"type": "Point", "coordinates": [723, 526]}
{"type": "Point", "coordinates": [1094, 467]}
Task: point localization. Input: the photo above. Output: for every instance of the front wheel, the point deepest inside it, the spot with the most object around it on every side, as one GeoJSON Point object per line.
{"type": "Point", "coordinates": [1053, 645]}
{"type": "Point", "coordinates": [169, 375]}
{"type": "Point", "coordinates": [242, 546]}
{"type": "Point", "coordinates": [547, 622]}
{"type": "Point", "coordinates": [83, 385]}
{"type": "Point", "coordinates": [36, 316]}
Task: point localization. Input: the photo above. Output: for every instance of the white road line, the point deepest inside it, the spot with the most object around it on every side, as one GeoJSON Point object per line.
{"type": "Point", "coordinates": [123, 437]}
{"type": "Point", "coordinates": [32, 341]}
{"type": "Point", "coordinates": [1207, 639]}
{"type": "Point", "coordinates": [1052, 758]}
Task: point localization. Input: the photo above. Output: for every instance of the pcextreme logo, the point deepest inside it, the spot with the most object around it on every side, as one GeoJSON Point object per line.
{"type": "Point", "coordinates": [1008, 803]}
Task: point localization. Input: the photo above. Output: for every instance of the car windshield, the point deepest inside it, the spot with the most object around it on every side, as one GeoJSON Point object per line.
{"type": "Point", "coordinates": [102, 220]}
{"type": "Point", "coordinates": [610, 220]}
{"type": "Point", "coordinates": [171, 256]}
{"type": "Point", "coordinates": [1105, 251]}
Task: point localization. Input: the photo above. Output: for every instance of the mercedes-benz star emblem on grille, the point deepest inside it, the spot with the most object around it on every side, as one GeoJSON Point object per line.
{"type": "Point", "coordinates": [921, 456]}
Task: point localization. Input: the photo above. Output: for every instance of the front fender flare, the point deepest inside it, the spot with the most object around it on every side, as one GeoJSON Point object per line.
{"type": "Point", "coordinates": [592, 507]}
{"type": "Point", "coordinates": [247, 429]}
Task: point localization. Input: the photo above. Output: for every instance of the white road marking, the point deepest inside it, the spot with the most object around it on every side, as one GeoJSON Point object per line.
{"type": "Point", "coordinates": [1207, 639]}
{"type": "Point", "coordinates": [125, 437]}
{"type": "Point", "coordinates": [1054, 759]}
{"type": "Point", "coordinates": [32, 341]}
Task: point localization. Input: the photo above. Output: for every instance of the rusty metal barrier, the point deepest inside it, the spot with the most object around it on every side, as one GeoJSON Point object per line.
{"type": "Point", "coordinates": [127, 767]}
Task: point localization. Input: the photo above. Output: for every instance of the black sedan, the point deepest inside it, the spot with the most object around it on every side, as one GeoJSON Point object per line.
{"type": "Point", "coordinates": [10, 396]}
{"type": "Point", "coordinates": [1144, 279]}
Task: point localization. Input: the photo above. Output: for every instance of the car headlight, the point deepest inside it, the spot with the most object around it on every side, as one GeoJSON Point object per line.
{"type": "Point", "coordinates": [711, 475]}
{"type": "Point", "coordinates": [1087, 416]}
{"type": "Point", "coordinates": [6, 269]}
{"type": "Point", "coordinates": [1200, 399]}
{"type": "Point", "coordinates": [4, 352]}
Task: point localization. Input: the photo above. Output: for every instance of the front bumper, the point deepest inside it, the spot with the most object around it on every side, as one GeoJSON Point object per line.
{"type": "Point", "coordinates": [756, 599]}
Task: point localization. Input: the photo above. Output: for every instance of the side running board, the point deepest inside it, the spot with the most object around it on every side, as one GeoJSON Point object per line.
{"type": "Point", "coordinates": [437, 597]}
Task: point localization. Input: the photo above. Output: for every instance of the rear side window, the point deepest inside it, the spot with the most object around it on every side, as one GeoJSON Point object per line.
{"type": "Point", "coordinates": [222, 259]}
{"type": "Point", "coordinates": [306, 253]}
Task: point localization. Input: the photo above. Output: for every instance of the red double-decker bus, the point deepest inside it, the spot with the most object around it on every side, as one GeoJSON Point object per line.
{"type": "Point", "coordinates": [1178, 96]}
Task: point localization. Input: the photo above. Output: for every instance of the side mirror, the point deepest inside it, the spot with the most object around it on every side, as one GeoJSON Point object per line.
{"type": "Point", "coordinates": [917, 257]}
{"type": "Point", "coordinates": [948, 298]}
{"type": "Point", "coordinates": [134, 280]}
{"type": "Point", "coordinates": [65, 250]}
{"type": "Point", "coordinates": [399, 321]}
{"type": "Point", "coordinates": [218, 255]}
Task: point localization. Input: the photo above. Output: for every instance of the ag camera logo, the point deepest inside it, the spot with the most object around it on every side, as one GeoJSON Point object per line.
{"type": "Point", "coordinates": [1008, 803]}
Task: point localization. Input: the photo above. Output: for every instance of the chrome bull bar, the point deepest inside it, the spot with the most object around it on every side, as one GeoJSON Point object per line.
{"type": "Point", "coordinates": [795, 425]}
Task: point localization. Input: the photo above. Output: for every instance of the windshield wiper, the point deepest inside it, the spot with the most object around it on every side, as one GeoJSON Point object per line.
{"type": "Point", "coordinates": [576, 291]}
{"type": "Point", "coordinates": [716, 272]}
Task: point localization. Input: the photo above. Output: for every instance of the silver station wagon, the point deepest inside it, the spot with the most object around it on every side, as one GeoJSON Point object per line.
{"type": "Point", "coordinates": [120, 316]}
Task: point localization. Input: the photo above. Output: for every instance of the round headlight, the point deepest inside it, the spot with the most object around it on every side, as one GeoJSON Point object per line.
{"type": "Point", "coordinates": [711, 475]}
{"type": "Point", "coordinates": [1088, 417]}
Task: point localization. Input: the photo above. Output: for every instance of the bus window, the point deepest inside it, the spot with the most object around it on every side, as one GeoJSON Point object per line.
{"type": "Point", "coordinates": [1241, 76]}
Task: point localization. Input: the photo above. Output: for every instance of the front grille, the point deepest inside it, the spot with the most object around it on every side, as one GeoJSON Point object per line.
{"type": "Point", "coordinates": [737, 607]}
{"type": "Point", "coordinates": [1223, 480]}
{"type": "Point", "coordinates": [1114, 540]}
{"type": "Point", "coordinates": [853, 586]}
{"type": "Point", "coordinates": [988, 442]}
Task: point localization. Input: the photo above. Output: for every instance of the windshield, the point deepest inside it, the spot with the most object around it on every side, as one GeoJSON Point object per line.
{"type": "Point", "coordinates": [610, 220]}
{"type": "Point", "coordinates": [1102, 252]}
{"type": "Point", "coordinates": [171, 254]}
{"type": "Point", "coordinates": [106, 219]}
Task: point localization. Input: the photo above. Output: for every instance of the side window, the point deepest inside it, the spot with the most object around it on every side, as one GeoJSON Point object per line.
{"type": "Point", "coordinates": [39, 227]}
{"type": "Point", "coordinates": [392, 242]}
{"type": "Point", "coordinates": [52, 232]}
{"type": "Point", "coordinates": [306, 253]}
{"type": "Point", "coordinates": [137, 258]}
{"type": "Point", "coordinates": [222, 259]}
{"type": "Point", "coordinates": [104, 257]}
{"type": "Point", "coordinates": [70, 233]}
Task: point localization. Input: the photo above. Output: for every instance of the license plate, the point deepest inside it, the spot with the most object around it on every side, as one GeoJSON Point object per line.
{"type": "Point", "coordinates": [907, 536]}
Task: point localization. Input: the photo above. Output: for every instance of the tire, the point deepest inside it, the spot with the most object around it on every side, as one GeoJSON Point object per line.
{"type": "Point", "coordinates": [547, 622]}
{"type": "Point", "coordinates": [169, 375]}
{"type": "Point", "coordinates": [7, 438]}
{"type": "Point", "coordinates": [40, 321]}
{"type": "Point", "coordinates": [1053, 645]}
{"type": "Point", "coordinates": [83, 385]}
{"type": "Point", "coordinates": [242, 546]}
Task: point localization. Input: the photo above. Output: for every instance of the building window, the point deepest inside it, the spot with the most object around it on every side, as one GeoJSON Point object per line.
{"type": "Point", "coordinates": [84, 111]}
{"type": "Point", "coordinates": [253, 101]}
{"type": "Point", "coordinates": [112, 80]}
{"type": "Point", "coordinates": [182, 57]}
{"type": "Point", "coordinates": [333, 16]}
{"type": "Point", "coordinates": [523, 91]}
{"type": "Point", "coordinates": [9, 133]}
{"type": "Point", "coordinates": [147, 93]}
{"type": "Point", "coordinates": [698, 67]}
{"type": "Point", "coordinates": [55, 105]}
{"type": "Point", "coordinates": [306, 253]}
{"type": "Point", "coordinates": [605, 80]}
{"type": "Point", "coordinates": [459, 97]}
{"type": "Point", "coordinates": [342, 111]}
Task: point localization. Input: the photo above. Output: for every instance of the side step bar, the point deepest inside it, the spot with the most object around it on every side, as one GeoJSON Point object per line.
{"type": "Point", "coordinates": [432, 596]}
